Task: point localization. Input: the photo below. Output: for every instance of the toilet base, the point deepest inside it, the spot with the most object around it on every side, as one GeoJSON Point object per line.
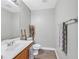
{"type": "Point", "coordinates": [35, 53]}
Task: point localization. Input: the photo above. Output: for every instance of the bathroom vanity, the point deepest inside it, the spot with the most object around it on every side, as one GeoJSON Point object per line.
{"type": "Point", "coordinates": [19, 49]}
{"type": "Point", "coordinates": [24, 54]}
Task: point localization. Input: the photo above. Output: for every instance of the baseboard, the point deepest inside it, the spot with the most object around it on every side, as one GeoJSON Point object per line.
{"type": "Point", "coordinates": [46, 48]}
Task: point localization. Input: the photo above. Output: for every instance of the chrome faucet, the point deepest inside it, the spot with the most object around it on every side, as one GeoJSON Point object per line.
{"type": "Point", "coordinates": [10, 43]}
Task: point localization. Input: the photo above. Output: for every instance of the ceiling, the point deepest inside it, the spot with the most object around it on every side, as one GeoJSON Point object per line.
{"type": "Point", "coordinates": [40, 4]}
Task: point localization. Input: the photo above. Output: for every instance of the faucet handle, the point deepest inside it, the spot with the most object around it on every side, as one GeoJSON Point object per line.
{"type": "Point", "coordinates": [12, 42]}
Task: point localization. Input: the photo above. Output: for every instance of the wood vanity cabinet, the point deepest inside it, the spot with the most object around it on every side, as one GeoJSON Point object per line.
{"type": "Point", "coordinates": [23, 54]}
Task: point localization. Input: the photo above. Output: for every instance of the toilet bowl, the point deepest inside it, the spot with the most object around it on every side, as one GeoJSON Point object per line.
{"type": "Point", "coordinates": [36, 47]}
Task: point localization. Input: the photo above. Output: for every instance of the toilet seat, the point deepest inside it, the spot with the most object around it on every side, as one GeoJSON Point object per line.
{"type": "Point", "coordinates": [36, 46]}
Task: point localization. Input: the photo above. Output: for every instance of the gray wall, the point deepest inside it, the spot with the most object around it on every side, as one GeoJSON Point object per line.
{"type": "Point", "coordinates": [65, 10]}
{"type": "Point", "coordinates": [44, 23]}
{"type": "Point", "coordinates": [12, 23]}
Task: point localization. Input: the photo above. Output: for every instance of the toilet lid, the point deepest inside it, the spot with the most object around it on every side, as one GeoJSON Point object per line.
{"type": "Point", "coordinates": [36, 46]}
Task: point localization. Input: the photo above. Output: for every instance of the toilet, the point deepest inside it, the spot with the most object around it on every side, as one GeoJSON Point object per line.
{"type": "Point", "coordinates": [36, 48]}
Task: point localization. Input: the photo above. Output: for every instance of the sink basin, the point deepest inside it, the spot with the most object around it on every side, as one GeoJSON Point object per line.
{"type": "Point", "coordinates": [13, 47]}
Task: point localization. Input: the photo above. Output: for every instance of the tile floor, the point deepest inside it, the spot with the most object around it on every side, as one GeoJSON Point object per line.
{"type": "Point", "coordinates": [46, 54]}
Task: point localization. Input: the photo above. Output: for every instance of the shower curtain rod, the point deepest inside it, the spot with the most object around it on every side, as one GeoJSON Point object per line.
{"type": "Point", "coordinates": [71, 21]}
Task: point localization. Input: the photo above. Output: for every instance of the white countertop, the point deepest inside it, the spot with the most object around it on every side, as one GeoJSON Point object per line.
{"type": "Point", "coordinates": [11, 51]}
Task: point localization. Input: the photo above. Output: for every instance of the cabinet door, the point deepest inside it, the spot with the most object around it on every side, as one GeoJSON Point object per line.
{"type": "Point", "coordinates": [23, 55]}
